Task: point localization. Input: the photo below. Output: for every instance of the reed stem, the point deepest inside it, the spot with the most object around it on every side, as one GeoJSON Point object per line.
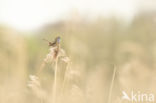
{"type": "Point", "coordinates": [55, 82]}
{"type": "Point", "coordinates": [111, 86]}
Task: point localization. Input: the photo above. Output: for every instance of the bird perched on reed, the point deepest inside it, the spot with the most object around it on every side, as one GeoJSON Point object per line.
{"type": "Point", "coordinates": [55, 46]}
{"type": "Point", "coordinates": [55, 43]}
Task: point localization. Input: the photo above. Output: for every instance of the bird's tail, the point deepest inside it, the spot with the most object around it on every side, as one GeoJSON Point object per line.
{"type": "Point", "coordinates": [45, 40]}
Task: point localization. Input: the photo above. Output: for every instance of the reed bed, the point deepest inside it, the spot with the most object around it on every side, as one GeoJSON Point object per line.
{"type": "Point", "coordinates": [81, 69]}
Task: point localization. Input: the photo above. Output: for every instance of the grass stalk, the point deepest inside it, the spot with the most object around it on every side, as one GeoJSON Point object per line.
{"type": "Point", "coordinates": [55, 82]}
{"type": "Point", "coordinates": [111, 86]}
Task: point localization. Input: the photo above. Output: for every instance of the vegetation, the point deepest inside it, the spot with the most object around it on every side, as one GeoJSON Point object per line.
{"type": "Point", "coordinates": [97, 60]}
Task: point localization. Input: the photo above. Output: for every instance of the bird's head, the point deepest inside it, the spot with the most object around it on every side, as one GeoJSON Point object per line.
{"type": "Point", "coordinates": [58, 39]}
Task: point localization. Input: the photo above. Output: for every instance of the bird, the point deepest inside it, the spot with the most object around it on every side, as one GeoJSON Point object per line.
{"type": "Point", "coordinates": [56, 42]}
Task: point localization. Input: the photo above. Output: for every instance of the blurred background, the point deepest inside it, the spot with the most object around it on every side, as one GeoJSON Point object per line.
{"type": "Point", "coordinates": [95, 34]}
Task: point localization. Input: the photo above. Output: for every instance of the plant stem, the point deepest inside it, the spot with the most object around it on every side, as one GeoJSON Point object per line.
{"type": "Point", "coordinates": [111, 86]}
{"type": "Point", "coordinates": [55, 82]}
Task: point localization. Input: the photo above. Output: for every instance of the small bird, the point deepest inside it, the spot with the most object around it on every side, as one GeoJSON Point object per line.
{"type": "Point", "coordinates": [55, 43]}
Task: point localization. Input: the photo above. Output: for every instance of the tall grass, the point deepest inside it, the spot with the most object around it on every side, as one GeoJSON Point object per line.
{"type": "Point", "coordinates": [85, 77]}
{"type": "Point", "coordinates": [55, 55]}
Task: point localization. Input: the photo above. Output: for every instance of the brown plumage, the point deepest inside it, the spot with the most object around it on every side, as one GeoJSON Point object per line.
{"type": "Point", "coordinates": [55, 43]}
